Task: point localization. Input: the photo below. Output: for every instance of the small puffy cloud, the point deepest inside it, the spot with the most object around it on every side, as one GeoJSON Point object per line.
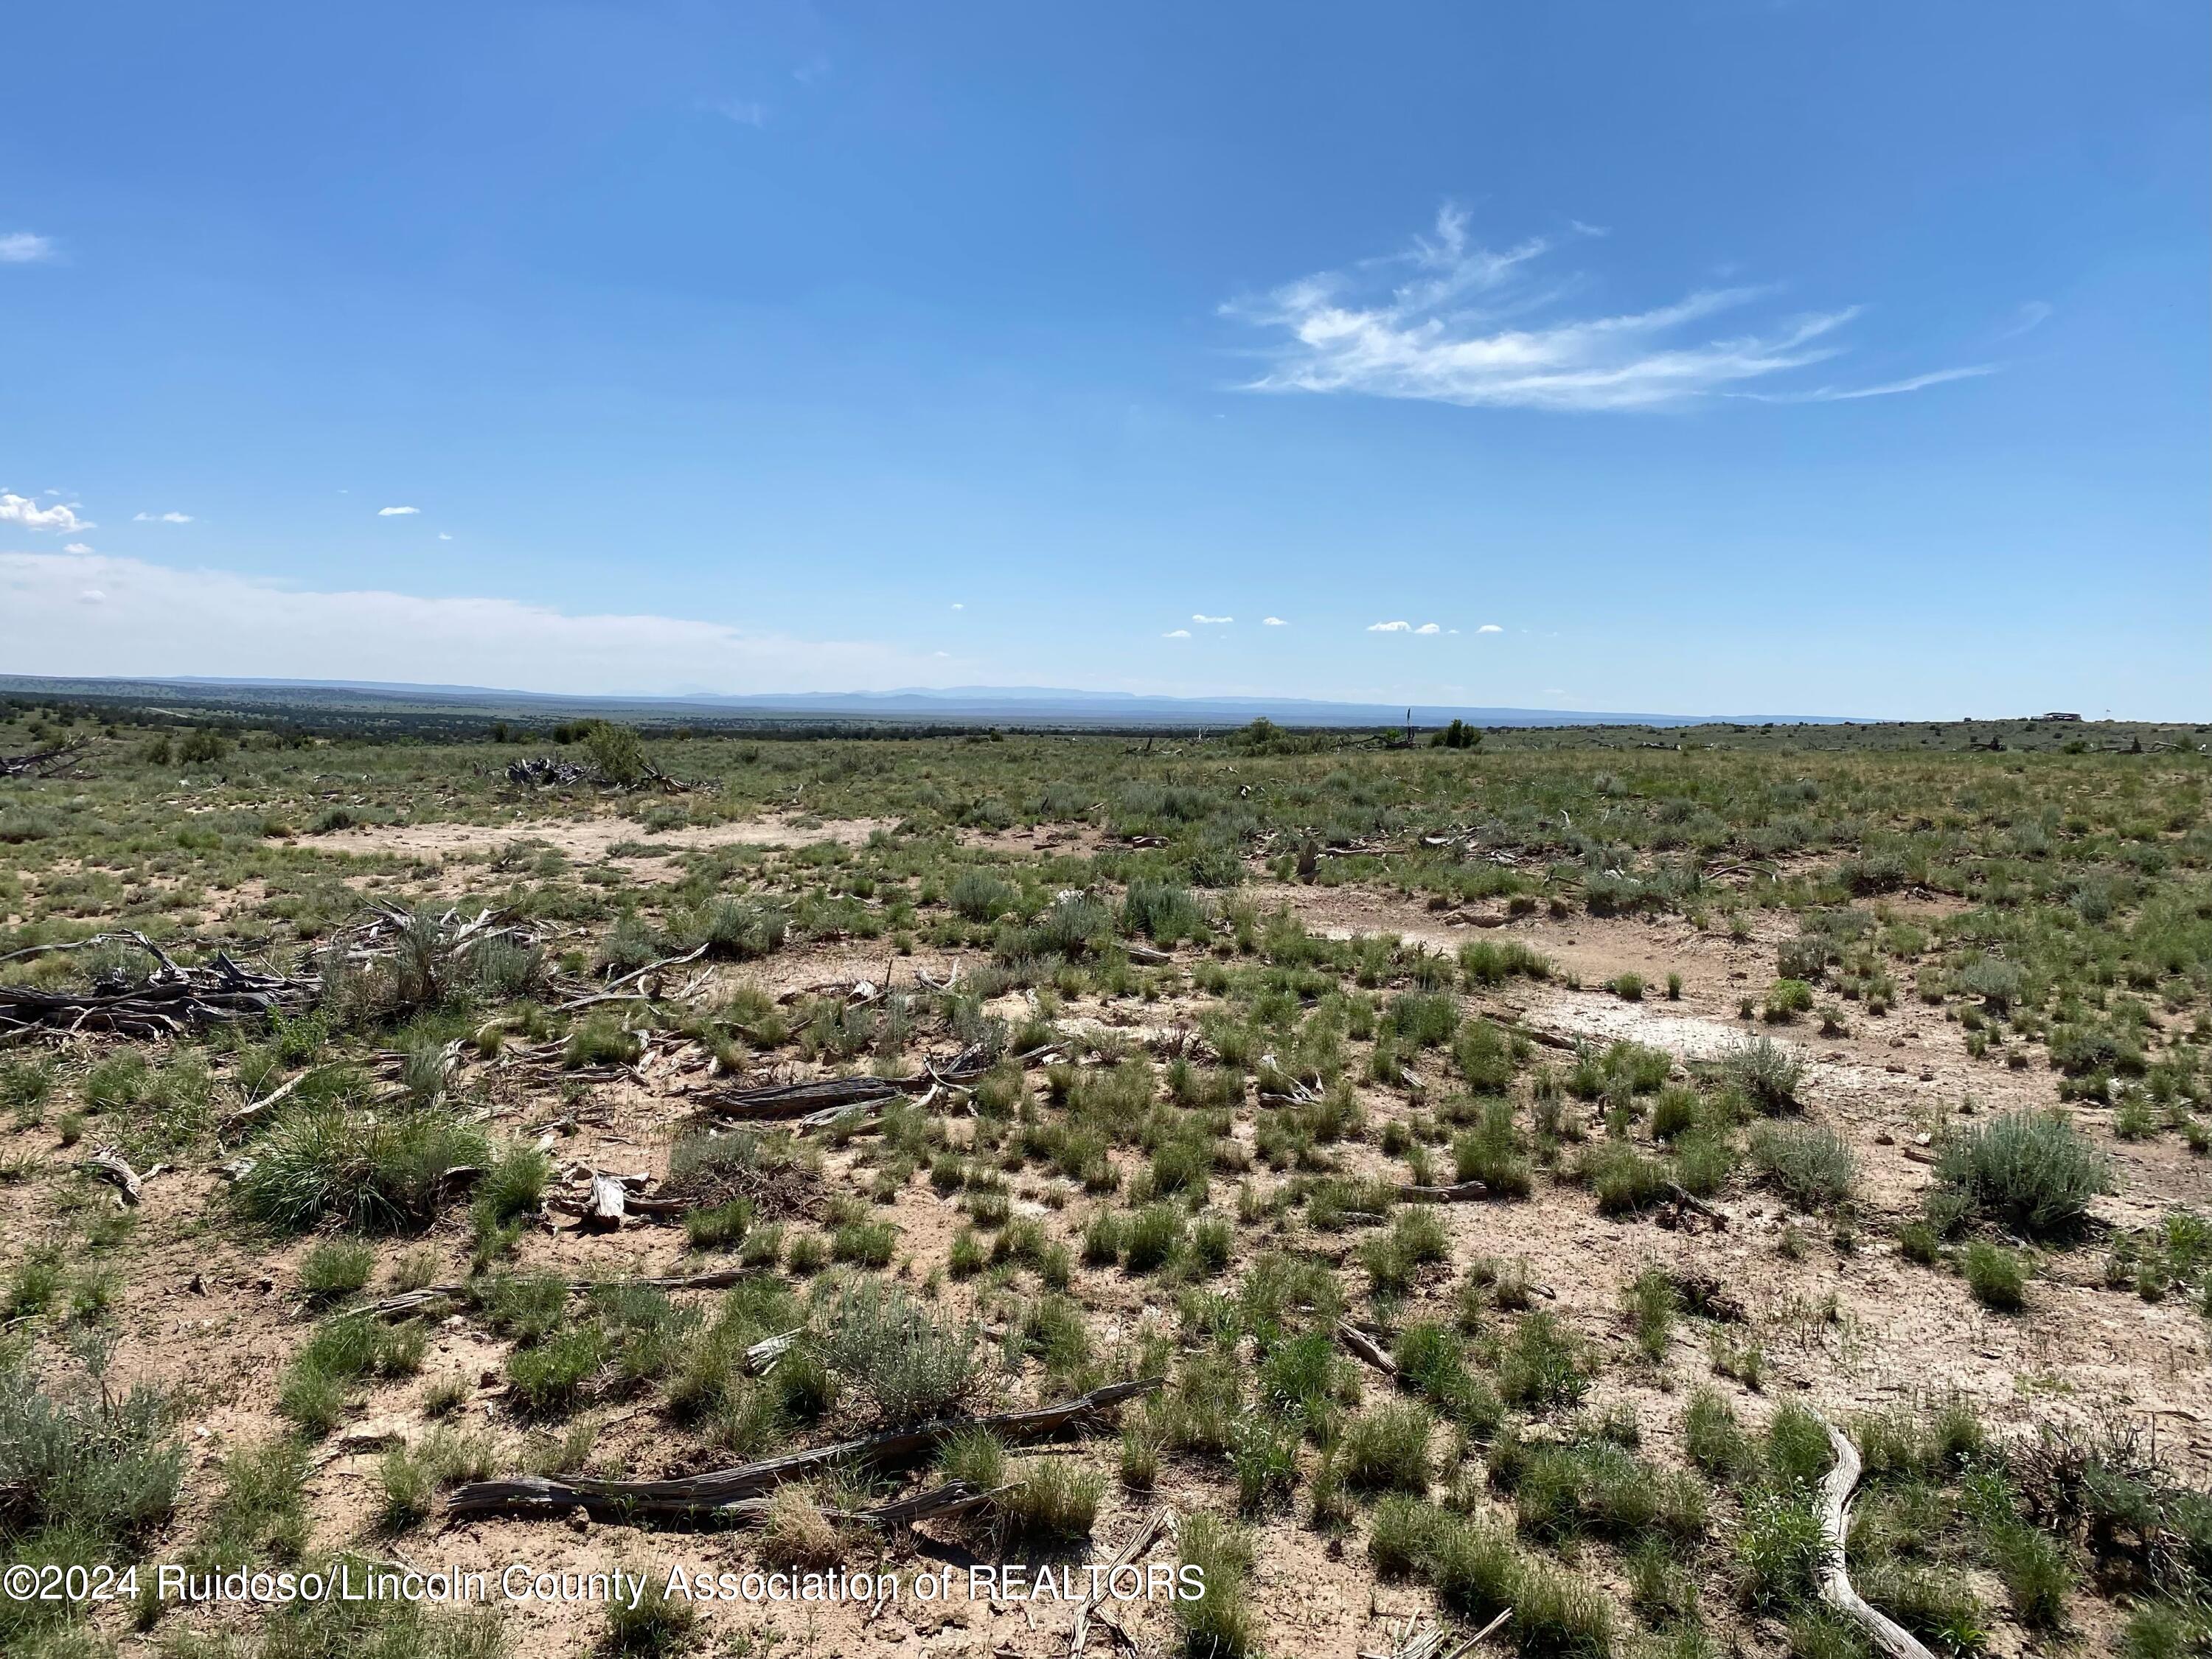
{"type": "Point", "coordinates": [1273, 621]}
{"type": "Point", "coordinates": [26, 514]}
{"type": "Point", "coordinates": [161, 518]}
{"type": "Point", "coordinates": [1200, 617]}
{"type": "Point", "coordinates": [21, 247]}
{"type": "Point", "coordinates": [1428, 628]}
{"type": "Point", "coordinates": [443, 536]}
{"type": "Point", "coordinates": [1176, 634]}
{"type": "Point", "coordinates": [958, 606]}
{"type": "Point", "coordinates": [76, 547]}
{"type": "Point", "coordinates": [1490, 627]}
{"type": "Point", "coordinates": [1390, 628]}
{"type": "Point", "coordinates": [397, 511]}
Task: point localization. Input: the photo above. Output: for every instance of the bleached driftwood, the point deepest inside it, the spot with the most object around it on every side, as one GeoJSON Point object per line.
{"type": "Point", "coordinates": [1886, 1634]}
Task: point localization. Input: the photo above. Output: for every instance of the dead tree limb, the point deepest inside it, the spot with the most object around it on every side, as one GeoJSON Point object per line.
{"type": "Point", "coordinates": [1458, 1193]}
{"type": "Point", "coordinates": [778, 1103]}
{"type": "Point", "coordinates": [1887, 1634]}
{"type": "Point", "coordinates": [1365, 1346]}
{"type": "Point", "coordinates": [110, 1165]}
{"type": "Point", "coordinates": [1160, 1520]}
{"type": "Point", "coordinates": [724, 1493]}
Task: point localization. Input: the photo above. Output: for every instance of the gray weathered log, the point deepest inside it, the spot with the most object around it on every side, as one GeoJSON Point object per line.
{"type": "Point", "coordinates": [1365, 1346]}
{"type": "Point", "coordinates": [722, 1492]}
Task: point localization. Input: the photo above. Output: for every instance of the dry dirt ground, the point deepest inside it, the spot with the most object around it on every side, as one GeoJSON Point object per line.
{"type": "Point", "coordinates": [1847, 1329]}
{"type": "Point", "coordinates": [590, 839]}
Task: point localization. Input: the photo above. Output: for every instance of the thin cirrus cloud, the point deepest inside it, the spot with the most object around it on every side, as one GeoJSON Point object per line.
{"type": "Point", "coordinates": [1199, 617]}
{"type": "Point", "coordinates": [26, 513]}
{"type": "Point", "coordinates": [21, 247]}
{"type": "Point", "coordinates": [397, 511]}
{"type": "Point", "coordinates": [1449, 321]}
{"type": "Point", "coordinates": [1176, 634]}
{"type": "Point", "coordinates": [161, 518]}
{"type": "Point", "coordinates": [1830, 394]}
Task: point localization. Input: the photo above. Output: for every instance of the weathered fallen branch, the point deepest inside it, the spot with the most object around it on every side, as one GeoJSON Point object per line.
{"type": "Point", "coordinates": [612, 991]}
{"type": "Point", "coordinates": [170, 1000]}
{"type": "Point", "coordinates": [1365, 1346]}
{"type": "Point", "coordinates": [727, 1493]}
{"type": "Point", "coordinates": [42, 763]}
{"type": "Point", "coordinates": [1887, 1634]}
{"type": "Point", "coordinates": [777, 1103]}
{"type": "Point", "coordinates": [110, 1166]}
{"type": "Point", "coordinates": [1459, 1192]}
{"type": "Point", "coordinates": [1128, 1555]}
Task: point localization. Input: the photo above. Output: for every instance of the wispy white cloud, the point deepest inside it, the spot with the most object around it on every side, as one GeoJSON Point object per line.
{"type": "Point", "coordinates": [1430, 628]}
{"type": "Point", "coordinates": [1176, 634]}
{"type": "Point", "coordinates": [25, 513]}
{"type": "Point", "coordinates": [397, 511]}
{"type": "Point", "coordinates": [1273, 621]}
{"type": "Point", "coordinates": [153, 619]}
{"type": "Point", "coordinates": [1443, 321]}
{"type": "Point", "coordinates": [746, 112]}
{"type": "Point", "coordinates": [444, 537]}
{"type": "Point", "coordinates": [1390, 628]}
{"type": "Point", "coordinates": [1490, 627]}
{"type": "Point", "coordinates": [2031, 314]}
{"type": "Point", "coordinates": [1833, 394]}
{"type": "Point", "coordinates": [1199, 617]}
{"type": "Point", "coordinates": [21, 247]}
{"type": "Point", "coordinates": [161, 518]}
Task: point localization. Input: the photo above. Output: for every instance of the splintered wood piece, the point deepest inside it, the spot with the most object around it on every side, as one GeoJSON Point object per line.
{"type": "Point", "coordinates": [608, 1205]}
{"type": "Point", "coordinates": [1365, 1347]}
{"type": "Point", "coordinates": [110, 1165]}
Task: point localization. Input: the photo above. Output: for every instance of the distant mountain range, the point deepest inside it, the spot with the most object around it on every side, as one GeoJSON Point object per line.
{"type": "Point", "coordinates": [1049, 706]}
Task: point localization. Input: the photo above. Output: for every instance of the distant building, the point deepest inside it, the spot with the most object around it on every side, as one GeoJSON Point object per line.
{"type": "Point", "coordinates": [2058, 717]}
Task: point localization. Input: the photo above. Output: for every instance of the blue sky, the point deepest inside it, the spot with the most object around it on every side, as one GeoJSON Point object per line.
{"type": "Point", "coordinates": [1832, 358]}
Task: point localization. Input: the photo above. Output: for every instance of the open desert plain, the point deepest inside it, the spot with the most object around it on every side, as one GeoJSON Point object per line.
{"type": "Point", "coordinates": [1589, 1193]}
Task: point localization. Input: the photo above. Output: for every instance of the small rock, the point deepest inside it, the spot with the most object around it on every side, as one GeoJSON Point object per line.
{"type": "Point", "coordinates": [489, 1377]}
{"type": "Point", "coordinates": [580, 1519]}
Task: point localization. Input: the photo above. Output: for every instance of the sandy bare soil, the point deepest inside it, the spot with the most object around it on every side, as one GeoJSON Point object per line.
{"type": "Point", "coordinates": [591, 840]}
{"type": "Point", "coordinates": [1849, 1328]}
